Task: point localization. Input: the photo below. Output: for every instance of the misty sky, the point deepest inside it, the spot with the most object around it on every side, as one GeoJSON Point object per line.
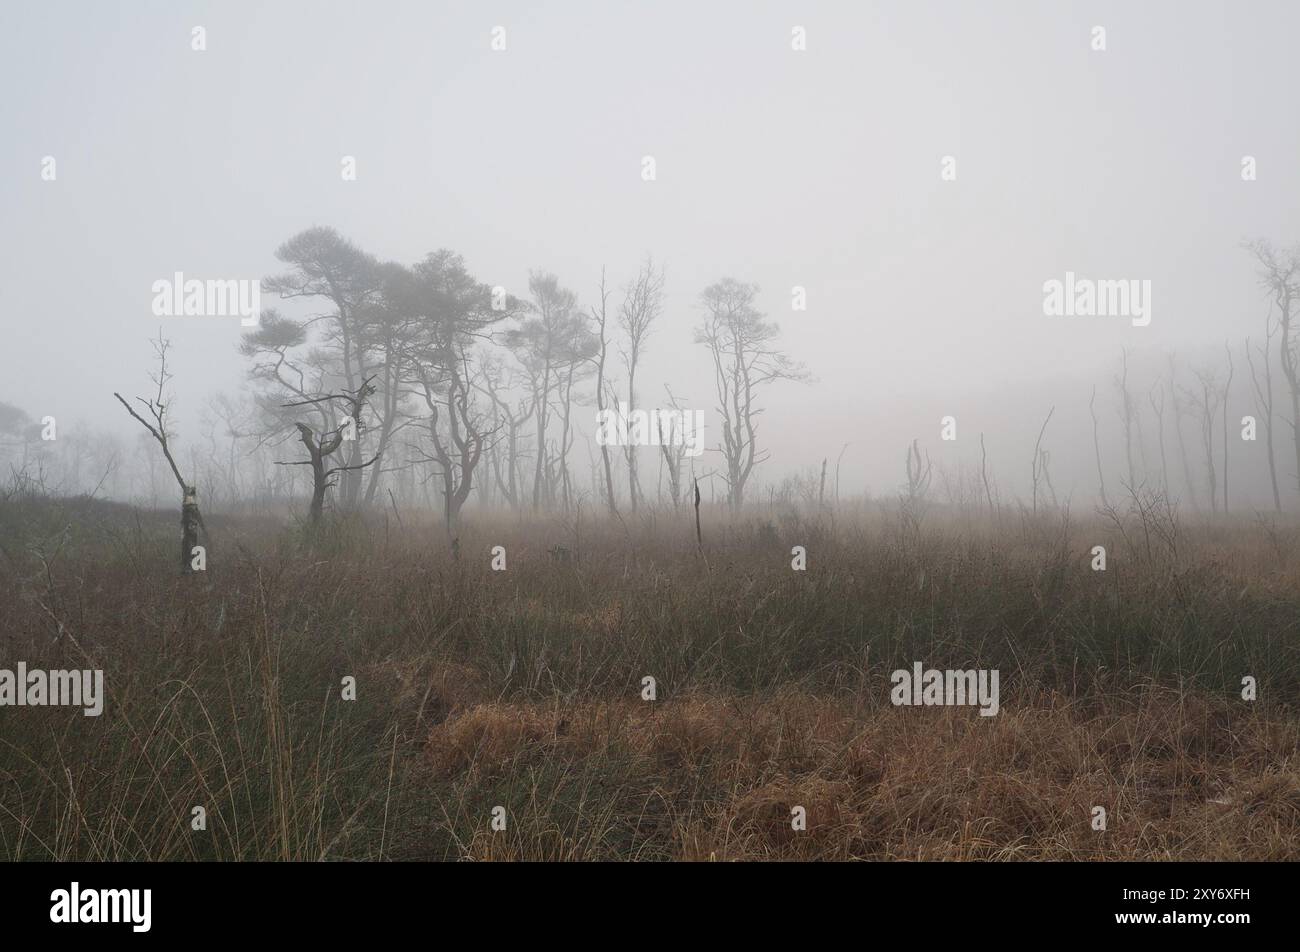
{"type": "Point", "coordinates": [817, 168]}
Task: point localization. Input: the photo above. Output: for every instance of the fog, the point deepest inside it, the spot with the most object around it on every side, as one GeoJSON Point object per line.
{"type": "Point", "coordinates": [820, 168]}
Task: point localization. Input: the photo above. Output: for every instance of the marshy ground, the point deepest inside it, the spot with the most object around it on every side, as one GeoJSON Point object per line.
{"type": "Point", "coordinates": [523, 688]}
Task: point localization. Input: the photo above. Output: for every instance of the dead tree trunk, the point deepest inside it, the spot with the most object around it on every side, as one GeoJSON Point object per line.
{"type": "Point", "coordinates": [984, 473]}
{"type": "Point", "coordinates": [320, 449]}
{"type": "Point", "coordinates": [1207, 403]}
{"type": "Point", "coordinates": [1226, 388]}
{"type": "Point", "coordinates": [642, 305]}
{"type": "Point", "coordinates": [1281, 277]}
{"type": "Point", "coordinates": [1178, 426]}
{"type": "Point", "coordinates": [1040, 461]}
{"type": "Point", "coordinates": [317, 450]}
{"type": "Point", "coordinates": [190, 522]}
{"type": "Point", "coordinates": [600, 319]}
{"type": "Point", "coordinates": [699, 535]}
{"type": "Point", "coordinates": [1159, 410]}
{"type": "Point", "coordinates": [1096, 445]}
{"type": "Point", "coordinates": [1127, 405]}
{"type": "Point", "coordinates": [1264, 406]}
{"type": "Point", "coordinates": [191, 518]}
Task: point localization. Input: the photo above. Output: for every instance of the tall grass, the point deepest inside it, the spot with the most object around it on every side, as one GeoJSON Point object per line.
{"type": "Point", "coordinates": [522, 688]}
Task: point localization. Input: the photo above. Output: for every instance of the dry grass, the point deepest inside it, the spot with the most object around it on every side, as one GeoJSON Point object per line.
{"type": "Point", "coordinates": [522, 689]}
{"type": "Point", "coordinates": [718, 778]}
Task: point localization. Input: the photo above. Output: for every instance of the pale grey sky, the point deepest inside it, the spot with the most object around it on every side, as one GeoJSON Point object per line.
{"type": "Point", "coordinates": [817, 168]}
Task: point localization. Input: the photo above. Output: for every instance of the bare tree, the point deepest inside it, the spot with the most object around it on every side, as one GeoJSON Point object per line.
{"type": "Point", "coordinates": [1179, 408]}
{"type": "Point", "coordinates": [191, 517]}
{"type": "Point", "coordinates": [455, 312]}
{"type": "Point", "coordinates": [457, 440]}
{"type": "Point", "coordinates": [1264, 401]}
{"type": "Point", "coordinates": [1227, 386]}
{"type": "Point", "coordinates": [1126, 414]}
{"type": "Point", "coordinates": [511, 420]}
{"type": "Point", "coordinates": [539, 343]}
{"type": "Point", "coordinates": [918, 476]}
{"type": "Point", "coordinates": [1040, 461]}
{"type": "Point", "coordinates": [1096, 445]}
{"type": "Point", "coordinates": [912, 506]}
{"type": "Point", "coordinates": [1156, 397]}
{"type": "Point", "coordinates": [673, 452]}
{"type": "Point", "coordinates": [984, 474]}
{"type": "Point", "coordinates": [320, 447]}
{"type": "Point", "coordinates": [324, 265]}
{"type": "Point", "coordinates": [1206, 400]}
{"type": "Point", "coordinates": [577, 353]}
{"type": "Point", "coordinates": [601, 320]}
{"type": "Point", "coordinates": [391, 322]}
{"type": "Point", "coordinates": [840, 459]}
{"type": "Point", "coordinates": [642, 305]}
{"type": "Point", "coordinates": [1280, 276]}
{"type": "Point", "coordinates": [740, 341]}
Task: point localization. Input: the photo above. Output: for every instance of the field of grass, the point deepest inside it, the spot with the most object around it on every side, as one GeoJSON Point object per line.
{"type": "Point", "coordinates": [523, 688]}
